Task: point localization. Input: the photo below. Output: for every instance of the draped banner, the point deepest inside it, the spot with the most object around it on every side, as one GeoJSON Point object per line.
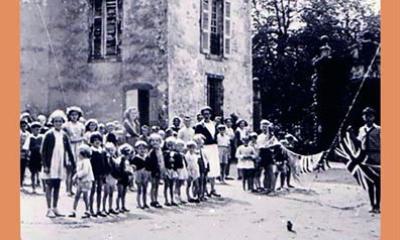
{"type": "Point", "coordinates": [365, 174]}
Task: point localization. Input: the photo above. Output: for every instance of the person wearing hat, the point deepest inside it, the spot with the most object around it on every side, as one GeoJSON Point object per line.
{"type": "Point", "coordinates": [75, 131]}
{"type": "Point", "coordinates": [208, 129]}
{"type": "Point", "coordinates": [32, 146]}
{"type": "Point", "coordinates": [56, 146]}
{"type": "Point", "coordinates": [223, 141]}
{"type": "Point", "coordinates": [186, 133]}
{"type": "Point", "coordinates": [91, 126]}
{"type": "Point", "coordinates": [369, 137]}
{"type": "Point", "coordinates": [264, 140]}
{"type": "Point", "coordinates": [142, 173]}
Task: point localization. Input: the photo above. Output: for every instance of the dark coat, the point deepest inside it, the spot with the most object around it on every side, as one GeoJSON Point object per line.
{"type": "Point", "coordinates": [49, 142]}
{"type": "Point", "coordinates": [202, 129]}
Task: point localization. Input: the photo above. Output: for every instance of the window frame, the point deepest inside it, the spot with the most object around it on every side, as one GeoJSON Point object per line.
{"type": "Point", "coordinates": [104, 57]}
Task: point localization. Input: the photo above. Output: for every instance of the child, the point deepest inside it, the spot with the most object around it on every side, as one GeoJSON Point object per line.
{"type": "Point", "coordinates": [33, 144]}
{"type": "Point", "coordinates": [186, 133]}
{"type": "Point", "coordinates": [75, 131]}
{"type": "Point", "coordinates": [111, 178]}
{"type": "Point", "coordinates": [111, 137]}
{"type": "Point", "coordinates": [142, 174]}
{"type": "Point", "coordinates": [223, 141]}
{"type": "Point", "coordinates": [246, 155]}
{"type": "Point", "coordinates": [257, 166]}
{"type": "Point", "coordinates": [91, 126]}
{"type": "Point", "coordinates": [203, 166]}
{"type": "Point", "coordinates": [98, 161]}
{"type": "Point", "coordinates": [55, 147]}
{"type": "Point", "coordinates": [180, 167]}
{"type": "Point", "coordinates": [23, 136]}
{"type": "Point", "coordinates": [126, 172]}
{"type": "Point", "coordinates": [156, 166]}
{"type": "Point", "coordinates": [193, 172]}
{"type": "Point", "coordinates": [170, 174]}
{"type": "Point", "coordinates": [84, 178]}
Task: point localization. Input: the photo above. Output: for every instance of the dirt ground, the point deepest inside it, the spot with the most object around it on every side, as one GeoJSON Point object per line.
{"type": "Point", "coordinates": [323, 206]}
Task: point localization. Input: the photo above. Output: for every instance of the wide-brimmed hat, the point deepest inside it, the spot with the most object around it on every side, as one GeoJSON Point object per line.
{"type": "Point", "coordinates": [241, 120]}
{"type": "Point", "coordinates": [206, 108]}
{"type": "Point", "coordinates": [368, 111]}
{"type": "Point", "coordinates": [92, 120]}
{"type": "Point", "coordinates": [35, 124]}
{"type": "Point", "coordinates": [58, 114]}
{"type": "Point", "coordinates": [140, 143]}
{"type": "Point", "coordinates": [74, 109]}
{"type": "Point", "coordinates": [265, 122]}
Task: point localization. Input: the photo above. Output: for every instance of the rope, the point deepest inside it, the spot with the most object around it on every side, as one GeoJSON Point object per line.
{"type": "Point", "coordinates": [44, 23]}
{"type": "Point", "coordinates": [366, 74]}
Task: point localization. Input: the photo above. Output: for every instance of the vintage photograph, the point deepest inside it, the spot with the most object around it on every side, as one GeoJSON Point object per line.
{"type": "Point", "coordinates": [200, 119]}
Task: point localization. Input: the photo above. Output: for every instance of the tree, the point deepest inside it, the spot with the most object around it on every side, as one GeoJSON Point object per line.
{"type": "Point", "coordinates": [286, 38]}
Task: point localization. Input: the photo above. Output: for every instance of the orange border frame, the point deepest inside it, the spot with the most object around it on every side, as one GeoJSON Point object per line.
{"type": "Point", "coordinates": [9, 183]}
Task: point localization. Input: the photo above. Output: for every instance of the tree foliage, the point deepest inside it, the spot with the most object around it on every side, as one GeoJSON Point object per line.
{"type": "Point", "coordinates": [286, 38]}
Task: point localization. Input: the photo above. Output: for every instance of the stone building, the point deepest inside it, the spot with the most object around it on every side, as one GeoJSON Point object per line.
{"type": "Point", "coordinates": [166, 57]}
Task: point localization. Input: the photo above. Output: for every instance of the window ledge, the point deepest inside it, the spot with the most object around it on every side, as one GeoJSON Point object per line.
{"type": "Point", "coordinates": [214, 57]}
{"type": "Point", "coordinates": [105, 60]}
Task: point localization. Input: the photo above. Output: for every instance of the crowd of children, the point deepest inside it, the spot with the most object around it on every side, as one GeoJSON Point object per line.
{"type": "Point", "coordinates": [101, 162]}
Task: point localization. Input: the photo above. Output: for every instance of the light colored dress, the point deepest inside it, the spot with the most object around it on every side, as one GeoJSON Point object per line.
{"type": "Point", "coordinates": [76, 133]}
{"type": "Point", "coordinates": [57, 168]}
{"type": "Point", "coordinates": [84, 173]}
{"type": "Point", "coordinates": [192, 165]}
{"type": "Point", "coordinates": [246, 156]}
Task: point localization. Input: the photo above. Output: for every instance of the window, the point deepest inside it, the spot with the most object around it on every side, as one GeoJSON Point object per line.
{"type": "Point", "coordinates": [105, 29]}
{"type": "Point", "coordinates": [216, 27]}
{"type": "Point", "coordinates": [215, 94]}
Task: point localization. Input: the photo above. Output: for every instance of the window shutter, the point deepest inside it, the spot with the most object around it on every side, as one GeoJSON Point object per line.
{"type": "Point", "coordinates": [227, 28]}
{"type": "Point", "coordinates": [205, 26]}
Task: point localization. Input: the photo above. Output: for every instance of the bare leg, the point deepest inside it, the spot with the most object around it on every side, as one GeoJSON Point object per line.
{"type": "Point", "coordinates": [76, 199]}
{"type": "Point", "coordinates": [144, 194]}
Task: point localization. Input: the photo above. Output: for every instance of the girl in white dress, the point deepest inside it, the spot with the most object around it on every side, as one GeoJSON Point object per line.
{"type": "Point", "coordinates": [56, 147]}
{"type": "Point", "coordinates": [75, 131]}
{"type": "Point", "coordinates": [192, 184]}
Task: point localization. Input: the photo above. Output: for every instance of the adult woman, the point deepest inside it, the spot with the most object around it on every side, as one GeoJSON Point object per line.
{"type": "Point", "coordinates": [132, 125]}
{"type": "Point", "coordinates": [208, 129]}
{"type": "Point", "coordinates": [56, 147]}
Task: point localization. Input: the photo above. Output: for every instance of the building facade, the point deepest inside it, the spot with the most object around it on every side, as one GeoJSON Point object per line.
{"type": "Point", "coordinates": [164, 57]}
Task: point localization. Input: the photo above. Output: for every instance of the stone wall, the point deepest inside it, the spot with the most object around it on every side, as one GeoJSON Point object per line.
{"type": "Point", "coordinates": [188, 67]}
{"type": "Point", "coordinates": [97, 87]}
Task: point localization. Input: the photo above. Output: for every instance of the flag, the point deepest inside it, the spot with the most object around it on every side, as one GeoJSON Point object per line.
{"type": "Point", "coordinates": [364, 173]}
